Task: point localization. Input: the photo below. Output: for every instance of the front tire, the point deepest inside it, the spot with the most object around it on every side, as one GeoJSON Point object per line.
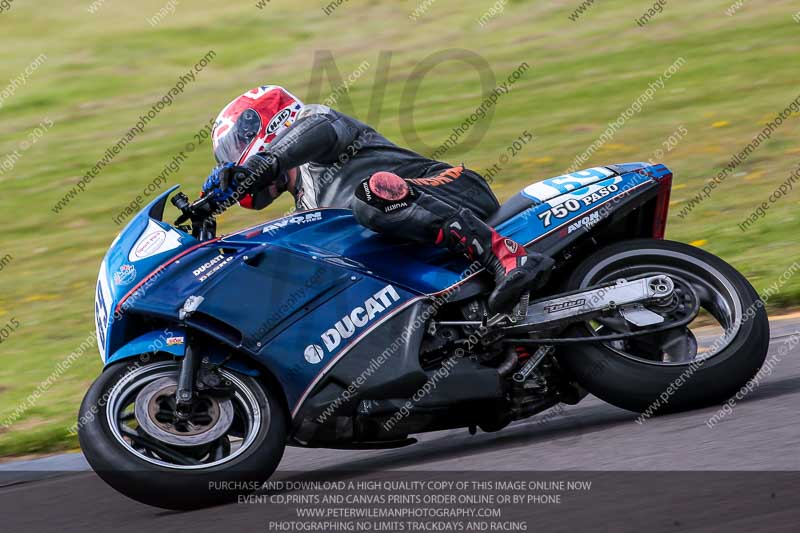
{"type": "Point", "coordinates": [655, 384]}
{"type": "Point", "coordinates": [175, 474]}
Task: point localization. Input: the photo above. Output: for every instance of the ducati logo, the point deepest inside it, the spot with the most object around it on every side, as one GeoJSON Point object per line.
{"type": "Point", "coordinates": [313, 354]}
{"type": "Point", "coordinates": [359, 317]}
{"type": "Point", "coordinates": [511, 245]}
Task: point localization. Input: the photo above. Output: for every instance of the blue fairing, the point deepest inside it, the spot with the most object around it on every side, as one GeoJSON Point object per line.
{"type": "Point", "coordinates": [561, 204]}
{"type": "Point", "coordinates": [335, 235]}
{"type": "Point", "coordinates": [140, 247]}
{"type": "Point", "coordinates": [296, 294]}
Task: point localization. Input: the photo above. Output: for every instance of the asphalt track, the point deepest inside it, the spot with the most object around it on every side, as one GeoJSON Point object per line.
{"type": "Point", "coordinates": [670, 473]}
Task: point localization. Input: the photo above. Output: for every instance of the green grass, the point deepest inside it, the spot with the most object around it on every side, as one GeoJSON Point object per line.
{"type": "Point", "coordinates": [103, 70]}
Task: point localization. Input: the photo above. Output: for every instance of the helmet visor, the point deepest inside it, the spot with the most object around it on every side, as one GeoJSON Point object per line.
{"type": "Point", "coordinates": [232, 146]}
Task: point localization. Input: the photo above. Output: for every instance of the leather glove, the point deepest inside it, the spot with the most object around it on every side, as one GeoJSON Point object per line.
{"type": "Point", "coordinates": [265, 180]}
{"type": "Point", "coordinates": [222, 182]}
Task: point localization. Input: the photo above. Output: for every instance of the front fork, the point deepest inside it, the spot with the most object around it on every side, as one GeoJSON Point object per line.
{"type": "Point", "coordinates": [185, 391]}
{"type": "Point", "coordinates": [193, 364]}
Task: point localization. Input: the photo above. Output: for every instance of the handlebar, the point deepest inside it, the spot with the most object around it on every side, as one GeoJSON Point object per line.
{"type": "Point", "coordinates": [200, 213]}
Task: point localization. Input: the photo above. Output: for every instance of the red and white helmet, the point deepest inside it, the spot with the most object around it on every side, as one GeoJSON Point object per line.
{"type": "Point", "coordinates": [251, 121]}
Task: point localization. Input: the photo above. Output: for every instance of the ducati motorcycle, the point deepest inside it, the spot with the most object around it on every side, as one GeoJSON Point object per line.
{"type": "Point", "coordinates": [311, 330]}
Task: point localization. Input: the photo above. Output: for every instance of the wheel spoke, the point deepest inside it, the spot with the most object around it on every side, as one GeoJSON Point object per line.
{"type": "Point", "coordinates": [139, 421]}
{"type": "Point", "coordinates": [221, 449]}
{"type": "Point", "coordinates": [695, 290]}
{"type": "Point", "coordinates": [679, 345]}
{"type": "Point", "coordinates": [161, 450]}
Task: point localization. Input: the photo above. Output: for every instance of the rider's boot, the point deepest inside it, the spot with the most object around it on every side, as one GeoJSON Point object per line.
{"type": "Point", "coordinates": [515, 270]}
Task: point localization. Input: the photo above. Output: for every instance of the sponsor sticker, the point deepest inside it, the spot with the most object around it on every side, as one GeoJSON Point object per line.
{"type": "Point", "coordinates": [299, 219]}
{"type": "Point", "coordinates": [278, 119]}
{"type": "Point", "coordinates": [571, 206]}
{"type": "Point", "coordinates": [174, 341]}
{"type": "Point", "coordinates": [154, 240]}
{"type": "Point", "coordinates": [394, 207]}
{"type": "Point", "coordinates": [150, 244]}
{"type": "Point", "coordinates": [211, 267]}
{"type": "Point", "coordinates": [586, 222]}
{"type": "Point", "coordinates": [125, 275]}
{"type": "Point", "coordinates": [563, 306]}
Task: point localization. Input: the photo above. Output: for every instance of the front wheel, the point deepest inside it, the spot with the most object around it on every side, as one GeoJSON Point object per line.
{"type": "Point", "coordinates": [128, 431]}
{"type": "Point", "coordinates": [683, 368]}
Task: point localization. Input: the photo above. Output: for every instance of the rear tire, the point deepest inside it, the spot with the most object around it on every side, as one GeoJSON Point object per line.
{"type": "Point", "coordinates": [654, 387]}
{"type": "Point", "coordinates": [177, 487]}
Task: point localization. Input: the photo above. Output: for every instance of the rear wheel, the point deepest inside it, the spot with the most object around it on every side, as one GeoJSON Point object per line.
{"type": "Point", "coordinates": [229, 443]}
{"type": "Point", "coordinates": [705, 362]}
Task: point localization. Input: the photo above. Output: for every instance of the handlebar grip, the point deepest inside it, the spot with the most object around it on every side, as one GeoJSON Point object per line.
{"type": "Point", "coordinates": [180, 200]}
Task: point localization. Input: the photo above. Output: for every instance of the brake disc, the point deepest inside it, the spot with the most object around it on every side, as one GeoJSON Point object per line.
{"type": "Point", "coordinates": [209, 419]}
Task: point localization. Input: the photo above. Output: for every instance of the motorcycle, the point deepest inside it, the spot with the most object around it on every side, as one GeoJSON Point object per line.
{"type": "Point", "coordinates": [311, 330]}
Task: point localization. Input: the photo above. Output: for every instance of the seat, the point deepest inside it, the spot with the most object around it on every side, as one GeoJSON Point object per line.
{"type": "Point", "coordinates": [510, 208]}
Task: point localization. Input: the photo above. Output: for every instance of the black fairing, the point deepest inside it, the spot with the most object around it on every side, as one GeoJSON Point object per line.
{"type": "Point", "coordinates": [329, 414]}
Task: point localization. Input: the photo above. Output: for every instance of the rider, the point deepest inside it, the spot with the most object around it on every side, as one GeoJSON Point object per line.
{"type": "Point", "coordinates": [274, 143]}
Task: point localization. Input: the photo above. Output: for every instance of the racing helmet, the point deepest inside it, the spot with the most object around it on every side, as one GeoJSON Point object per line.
{"type": "Point", "coordinates": [251, 121]}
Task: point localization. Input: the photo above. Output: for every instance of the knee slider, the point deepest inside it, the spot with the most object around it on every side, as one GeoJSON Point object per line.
{"type": "Point", "coordinates": [387, 186]}
{"type": "Point", "coordinates": [379, 196]}
{"type": "Point", "coordinates": [386, 192]}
